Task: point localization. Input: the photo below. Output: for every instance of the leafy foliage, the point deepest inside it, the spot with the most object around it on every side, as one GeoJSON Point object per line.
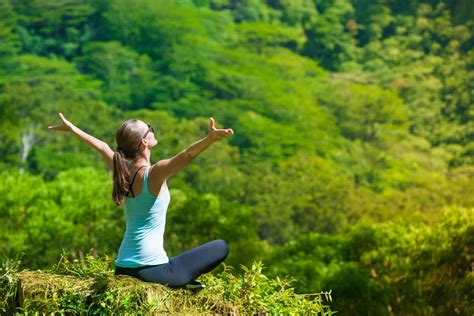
{"type": "Point", "coordinates": [348, 116]}
{"type": "Point", "coordinates": [402, 268]}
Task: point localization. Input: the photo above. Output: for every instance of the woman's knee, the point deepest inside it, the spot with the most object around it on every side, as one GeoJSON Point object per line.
{"type": "Point", "coordinates": [222, 248]}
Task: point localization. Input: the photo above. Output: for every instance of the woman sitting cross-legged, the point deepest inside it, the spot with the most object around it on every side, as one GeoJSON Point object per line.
{"type": "Point", "coordinates": [141, 188]}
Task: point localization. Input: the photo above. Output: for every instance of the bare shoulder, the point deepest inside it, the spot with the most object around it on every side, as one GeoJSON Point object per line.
{"type": "Point", "coordinates": [158, 171]}
{"type": "Point", "coordinates": [167, 168]}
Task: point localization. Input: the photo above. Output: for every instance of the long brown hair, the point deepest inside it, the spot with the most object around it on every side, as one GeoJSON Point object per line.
{"type": "Point", "coordinates": [128, 137]}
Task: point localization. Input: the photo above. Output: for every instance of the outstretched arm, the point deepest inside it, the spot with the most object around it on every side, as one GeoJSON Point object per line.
{"type": "Point", "coordinates": [169, 167]}
{"type": "Point", "coordinates": [99, 145]}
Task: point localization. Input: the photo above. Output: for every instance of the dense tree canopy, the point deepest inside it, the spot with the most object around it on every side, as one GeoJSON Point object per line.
{"type": "Point", "coordinates": [351, 167]}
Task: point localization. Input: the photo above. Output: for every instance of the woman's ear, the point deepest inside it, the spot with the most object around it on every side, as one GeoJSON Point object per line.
{"type": "Point", "coordinates": [143, 144]}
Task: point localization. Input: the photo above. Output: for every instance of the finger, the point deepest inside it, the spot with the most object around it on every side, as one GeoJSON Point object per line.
{"type": "Point", "coordinates": [212, 123]}
{"type": "Point", "coordinates": [226, 131]}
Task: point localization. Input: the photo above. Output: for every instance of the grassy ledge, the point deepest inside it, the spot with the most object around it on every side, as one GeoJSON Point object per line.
{"type": "Point", "coordinates": [90, 287]}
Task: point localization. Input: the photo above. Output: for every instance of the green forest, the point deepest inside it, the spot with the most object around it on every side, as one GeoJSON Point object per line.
{"type": "Point", "coordinates": [351, 170]}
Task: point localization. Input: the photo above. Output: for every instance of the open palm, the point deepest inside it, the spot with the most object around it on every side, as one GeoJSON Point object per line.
{"type": "Point", "coordinates": [218, 133]}
{"type": "Point", "coordinates": [66, 126]}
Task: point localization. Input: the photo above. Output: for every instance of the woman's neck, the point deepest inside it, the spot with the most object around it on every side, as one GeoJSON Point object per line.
{"type": "Point", "coordinates": [142, 161]}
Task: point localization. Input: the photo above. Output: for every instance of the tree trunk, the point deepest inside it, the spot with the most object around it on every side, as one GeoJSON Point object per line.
{"type": "Point", "coordinates": [27, 139]}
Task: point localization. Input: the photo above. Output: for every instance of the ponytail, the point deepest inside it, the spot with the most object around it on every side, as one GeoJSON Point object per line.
{"type": "Point", "coordinates": [121, 178]}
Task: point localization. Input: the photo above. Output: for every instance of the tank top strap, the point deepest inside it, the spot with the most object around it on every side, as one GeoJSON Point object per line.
{"type": "Point", "coordinates": [130, 186]}
{"type": "Point", "coordinates": [145, 180]}
{"type": "Point", "coordinates": [145, 175]}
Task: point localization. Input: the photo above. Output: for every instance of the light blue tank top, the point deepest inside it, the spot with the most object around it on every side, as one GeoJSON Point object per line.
{"type": "Point", "coordinates": [145, 217]}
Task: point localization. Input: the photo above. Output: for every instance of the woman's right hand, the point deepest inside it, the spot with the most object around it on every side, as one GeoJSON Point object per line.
{"type": "Point", "coordinates": [66, 126]}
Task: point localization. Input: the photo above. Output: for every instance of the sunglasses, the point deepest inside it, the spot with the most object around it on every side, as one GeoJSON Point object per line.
{"type": "Point", "coordinates": [150, 129]}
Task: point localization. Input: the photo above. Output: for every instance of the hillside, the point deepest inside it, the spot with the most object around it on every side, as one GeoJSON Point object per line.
{"type": "Point", "coordinates": [351, 162]}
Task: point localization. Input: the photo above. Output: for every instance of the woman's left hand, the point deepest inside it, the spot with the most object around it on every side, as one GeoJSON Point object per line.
{"type": "Point", "coordinates": [218, 133]}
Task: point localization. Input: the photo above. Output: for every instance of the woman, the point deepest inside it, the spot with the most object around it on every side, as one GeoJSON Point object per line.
{"type": "Point", "coordinates": [141, 187]}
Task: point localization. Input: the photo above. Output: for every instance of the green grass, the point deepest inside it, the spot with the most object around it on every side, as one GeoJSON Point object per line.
{"type": "Point", "coordinates": [91, 287]}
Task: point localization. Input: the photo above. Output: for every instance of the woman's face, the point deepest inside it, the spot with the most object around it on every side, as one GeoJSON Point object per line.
{"type": "Point", "coordinates": [149, 139]}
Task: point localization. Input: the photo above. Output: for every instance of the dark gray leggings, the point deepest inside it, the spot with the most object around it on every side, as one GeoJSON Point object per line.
{"type": "Point", "coordinates": [183, 268]}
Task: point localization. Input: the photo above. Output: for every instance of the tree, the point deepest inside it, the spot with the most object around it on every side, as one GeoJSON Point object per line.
{"type": "Point", "coordinates": [32, 96]}
{"type": "Point", "coordinates": [363, 111]}
{"type": "Point", "coordinates": [129, 81]}
{"type": "Point", "coordinates": [9, 42]}
{"type": "Point", "coordinates": [329, 40]}
{"type": "Point", "coordinates": [50, 27]}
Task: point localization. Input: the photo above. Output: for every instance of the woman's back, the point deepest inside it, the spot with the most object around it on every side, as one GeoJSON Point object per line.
{"type": "Point", "coordinates": [155, 183]}
{"type": "Point", "coordinates": [145, 216]}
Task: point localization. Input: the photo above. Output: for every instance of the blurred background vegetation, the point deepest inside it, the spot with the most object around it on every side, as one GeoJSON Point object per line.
{"type": "Point", "coordinates": [351, 167]}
